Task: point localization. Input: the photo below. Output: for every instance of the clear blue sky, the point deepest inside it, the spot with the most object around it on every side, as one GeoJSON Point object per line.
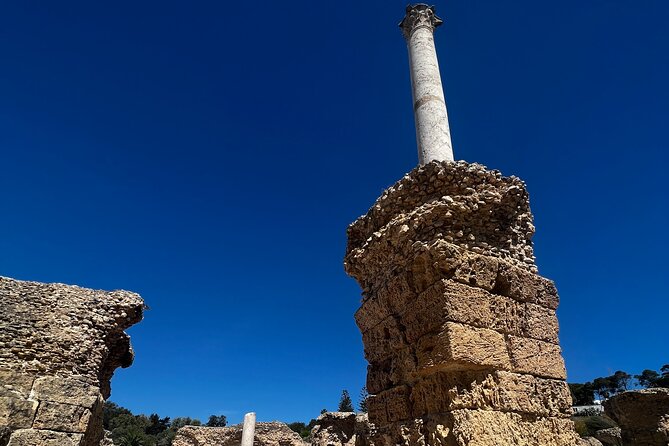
{"type": "Point", "coordinates": [210, 155]}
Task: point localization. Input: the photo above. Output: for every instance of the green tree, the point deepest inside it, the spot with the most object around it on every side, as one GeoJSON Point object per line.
{"type": "Point", "coordinates": [663, 380]}
{"type": "Point", "coordinates": [110, 411]}
{"type": "Point", "coordinates": [602, 387]}
{"type": "Point", "coordinates": [648, 378]}
{"type": "Point", "coordinates": [157, 424]}
{"type": "Point", "coordinates": [324, 411]}
{"type": "Point", "coordinates": [362, 403]}
{"type": "Point", "coordinates": [345, 403]}
{"type": "Point", "coordinates": [582, 394]}
{"type": "Point", "coordinates": [301, 428]}
{"type": "Point", "coordinates": [132, 438]}
{"type": "Point", "coordinates": [217, 421]}
{"type": "Point", "coordinates": [180, 422]}
{"type": "Point", "coordinates": [620, 380]}
{"type": "Point", "coordinates": [297, 426]}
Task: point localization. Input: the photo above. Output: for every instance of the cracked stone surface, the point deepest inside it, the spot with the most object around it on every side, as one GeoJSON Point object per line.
{"type": "Point", "coordinates": [59, 346]}
{"type": "Point", "coordinates": [459, 330]}
{"type": "Point", "coordinates": [643, 416]}
{"type": "Point", "coordinates": [266, 434]}
{"type": "Point", "coordinates": [341, 429]}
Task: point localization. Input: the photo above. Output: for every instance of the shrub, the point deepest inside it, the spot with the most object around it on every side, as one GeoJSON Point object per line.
{"type": "Point", "coordinates": [587, 426]}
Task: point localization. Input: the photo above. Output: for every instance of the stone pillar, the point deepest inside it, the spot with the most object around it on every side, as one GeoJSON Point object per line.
{"type": "Point", "coordinates": [433, 134]}
{"type": "Point", "coordinates": [59, 346]}
{"type": "Point", "coordinates": [248, 431]}
{"type": "Point", "coordinates": [459, 330]}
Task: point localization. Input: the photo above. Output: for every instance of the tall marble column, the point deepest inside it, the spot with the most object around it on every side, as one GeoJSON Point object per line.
{"type": "Point", "coordinates": [433, 134]}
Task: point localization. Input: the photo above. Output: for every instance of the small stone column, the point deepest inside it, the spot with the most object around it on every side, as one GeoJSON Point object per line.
{"type": "Point", "coordinates": [433, 134]}
{"type": "Point", "coordinates": [248, 431]}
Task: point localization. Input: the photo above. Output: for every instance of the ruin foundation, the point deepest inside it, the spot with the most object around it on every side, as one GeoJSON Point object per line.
{"type": "Point", "coordinates": [266, 434]}
{"type": "Point", "coordinates": [459, 330]}
{"type": "Point", "coordinates": [341, 429]}
{"type": "Point", "coordinates": [59, 346]}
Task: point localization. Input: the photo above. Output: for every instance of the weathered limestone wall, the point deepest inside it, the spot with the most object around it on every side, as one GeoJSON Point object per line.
{"type": "Point", "coordinates": [266, 434]}
{"type": "Point", "coordinates": [341, 429]}
{"type": "Point", "coordinates": [643, 416]}
{"type": "Point", "coordinates": [59, 346]}
{"type": "Point", "coordinates": [459, 330]}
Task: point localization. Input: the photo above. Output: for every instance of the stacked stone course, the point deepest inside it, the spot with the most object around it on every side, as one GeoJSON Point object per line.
{"type": "Point", "coordinates": [59, 346]}
{"type": "Point", "coordinates": [459, 331]}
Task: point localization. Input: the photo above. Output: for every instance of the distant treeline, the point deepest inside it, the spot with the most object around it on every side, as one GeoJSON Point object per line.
{"type": "Point", "coordinates": [605, 387]}
{"type": "Point", "coordinates": [128, 429]}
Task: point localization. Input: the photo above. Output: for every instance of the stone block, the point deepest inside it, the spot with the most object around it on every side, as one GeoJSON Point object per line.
{"type": "Point", "coordinates": [371, 313]}
{"type": "Point", "coordinates": [540, 323]}
{"type": "Point", "coordinates": [15, 383]}
{"type": "Point", "coordinates": [502, 391]}
{"type": "Point", "coordinates": [32, 437]}
{"type": "Point", "coordinates": [525, 286]}
{"type": "Point", "coordinates": [382, 340]}
{"type": "Point", "coordinates": [390, 406]}
{"type": "Point", "coordinates": [448, 301]}
{"type": "Point", "coordinates": [478, 271]}
{"type": "Point", "coordinates": [399, 369]}
{"type": "Point", "coordinates": [17, 413]}
{"type": "Point", "coordinates": [459, 347]}
{"type": "Point", "coordinates": [378, 377]}
{"type": "Point", "coordinates": [478, 428]}
{"type": "Point", "coordinates": [66, 391]}
{"type": "Point", "coordinates": [536, 358]}
{"type": "Point", "coordinates": [397, 293]}
{"type": "Point", "coordinates": [62, 417]}
{"type": "Point", "coordinates": [486, 428]}
{"type": "Point", "coordinates": [547, 294]}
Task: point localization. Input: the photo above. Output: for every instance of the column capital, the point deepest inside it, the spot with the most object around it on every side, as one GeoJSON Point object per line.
{"type": "Point", "coordinates": [418, 16]}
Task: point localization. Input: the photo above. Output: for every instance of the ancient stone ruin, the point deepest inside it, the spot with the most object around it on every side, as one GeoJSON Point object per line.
{"type": "Point", "coordinates": [459, 330]}
{"type": "Point", "coordinates": [643, 416]}
{"type": "Point", "coordinates": [266, 434]}
{"type": "Point", "coordinates": [341, 429]}
{"type": "Point", "coordinates": [59, 346]}
{"type": "Point", "coordinates": [610, 437]}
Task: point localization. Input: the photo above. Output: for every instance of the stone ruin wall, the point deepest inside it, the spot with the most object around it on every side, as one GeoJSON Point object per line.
{"type": "Point", "coordinates": [341, 429]}
{"type": "Point", "coordinates": [59, 346]}
{"type": "Point", "coordinates": [643, 416]}
{"type": "Point", "coordinates": [459, 331]}
{"type": "Point", "coordinates": [266, 434]}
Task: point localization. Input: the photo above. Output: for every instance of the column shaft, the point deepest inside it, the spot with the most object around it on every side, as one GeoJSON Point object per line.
{"type": "Point", "coordinates": [433, 134]}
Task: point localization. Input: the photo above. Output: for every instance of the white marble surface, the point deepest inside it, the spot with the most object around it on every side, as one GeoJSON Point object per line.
{"type": "Point", "coordinates": [248, 431]}
{"type": "Point", "coordinates": [433, 134]}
